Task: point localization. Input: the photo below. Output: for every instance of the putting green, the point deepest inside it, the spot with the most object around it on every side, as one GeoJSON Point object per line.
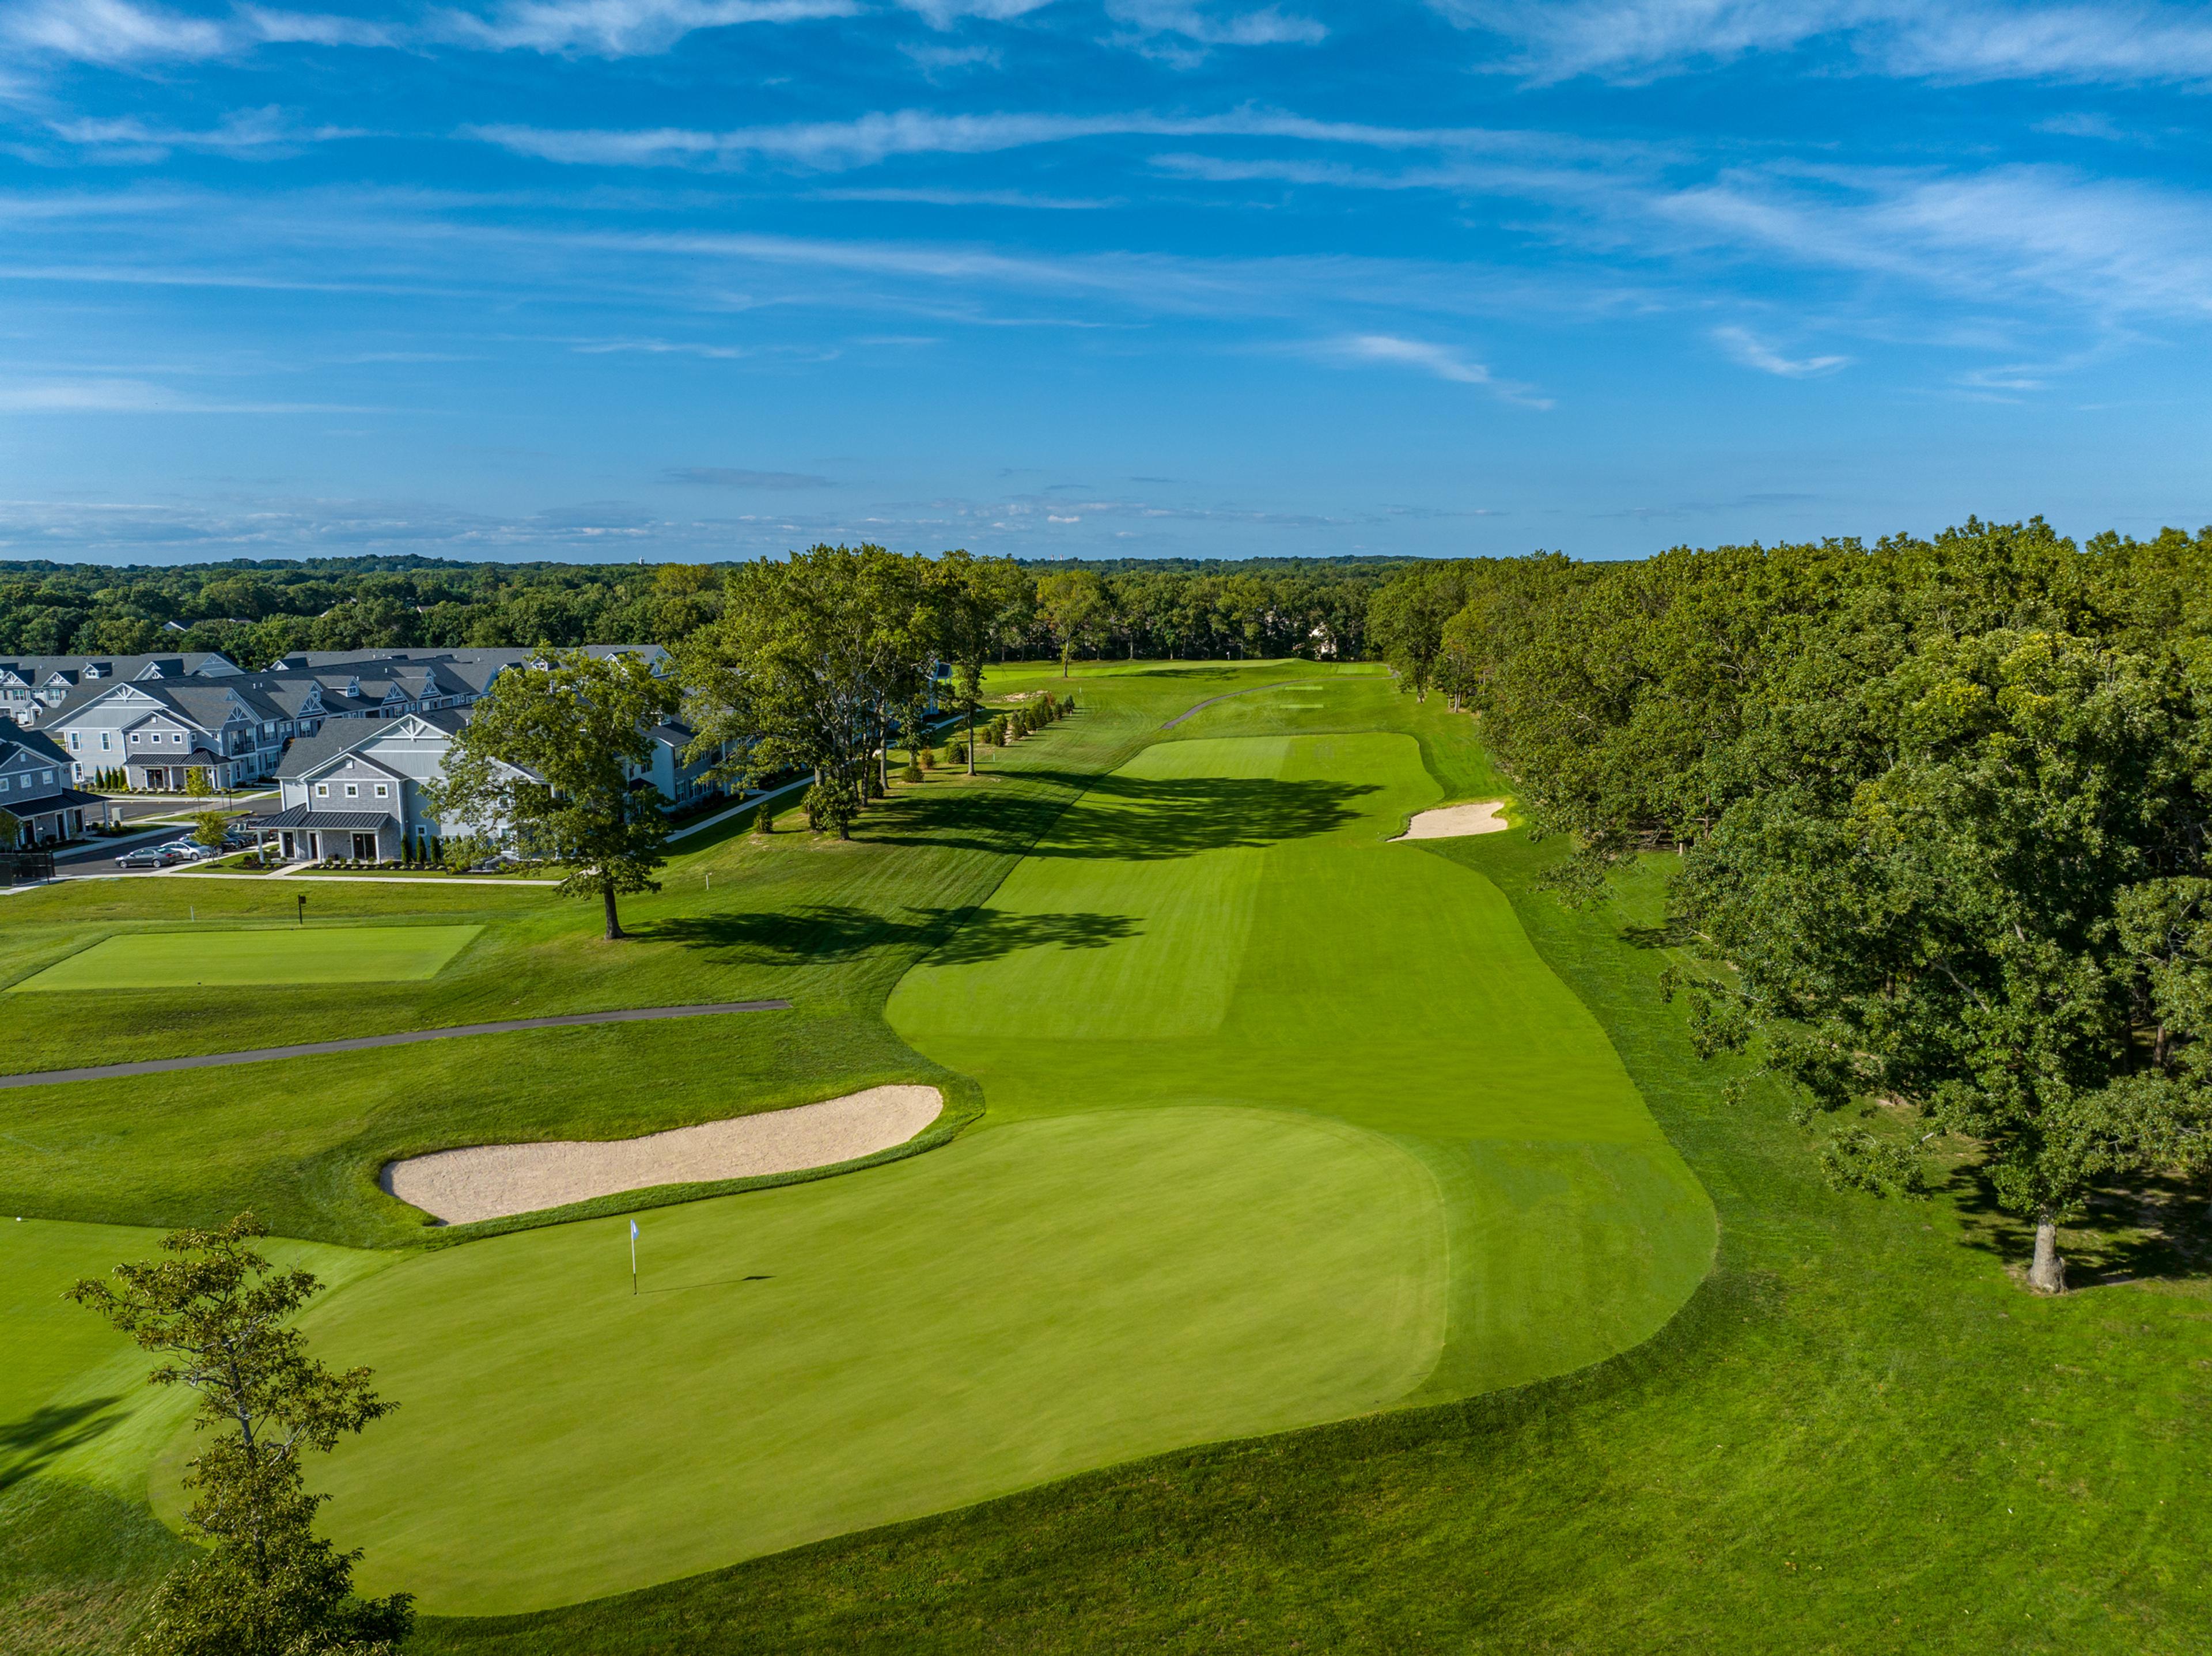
{"type": "Point", "coordinates": [1244, 936]}
{"type": "Point", "coordinates": [819, 1358]}
{"type": "Point", "coordinates": [219, 958]}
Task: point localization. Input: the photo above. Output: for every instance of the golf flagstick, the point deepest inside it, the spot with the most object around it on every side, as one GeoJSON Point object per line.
{"type": "Point", "coordinates": [633, 1257]}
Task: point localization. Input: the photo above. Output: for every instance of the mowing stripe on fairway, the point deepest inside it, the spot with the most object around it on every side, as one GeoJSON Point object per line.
{"type": "Point", "coordinates": [358, 1043]}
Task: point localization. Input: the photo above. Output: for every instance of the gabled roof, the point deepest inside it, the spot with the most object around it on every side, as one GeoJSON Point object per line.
{"type": "Point", "coordinates": [339, 736]}
{"type": "Point", "coordinates": [36, 742]}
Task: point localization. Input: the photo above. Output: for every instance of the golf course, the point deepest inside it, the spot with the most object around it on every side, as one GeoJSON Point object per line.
{"type": "Point", "coordinates": [1330, 1240]}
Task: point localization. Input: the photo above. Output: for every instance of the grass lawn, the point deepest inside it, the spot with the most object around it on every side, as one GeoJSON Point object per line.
{"type": "Point", "coordinates": [214, 957]}
{"type": "Point", "coordinates": [1419, 1106]}
{"type": "Point", "coordinates": [1221, 920]}
{"type": "Point", "coordinates": [832, 1356]}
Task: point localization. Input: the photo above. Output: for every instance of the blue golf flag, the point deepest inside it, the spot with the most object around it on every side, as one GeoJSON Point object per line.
{"type": "Point", "coordinates": [633, 1256]}
{"type": "Point", "coordinates": [633, 1230]}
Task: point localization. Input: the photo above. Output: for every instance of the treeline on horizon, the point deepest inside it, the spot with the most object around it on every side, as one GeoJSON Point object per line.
{"type": "Point", "coordinates": [1942, 809]}
{"type": "Point", "coordinates": [255, 611]}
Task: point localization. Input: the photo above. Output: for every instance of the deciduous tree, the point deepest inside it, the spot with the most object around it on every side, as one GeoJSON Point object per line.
{"type": "Point", "coordinates": [551, 761]}
{"type": "Point", "coordinates": [220, 1317]}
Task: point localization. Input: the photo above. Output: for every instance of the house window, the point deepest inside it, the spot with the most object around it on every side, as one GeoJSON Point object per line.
{"type": "Point", "coordinates": [4, 784]}
{"type": "Point", "coordinates": [76, 741]}
{"type": "Point", "coordinates": [103, 741]}
{"type": "Point", "coordinates": [322, 790]}
{"type": "Point", "coordinates": [134, 739]}
{"type": "Point", "coordinates": [383, 792]}
{"type": "Point", "coordinates": [353, 790]}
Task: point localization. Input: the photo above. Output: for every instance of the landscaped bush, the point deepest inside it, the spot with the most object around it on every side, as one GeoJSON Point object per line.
{"type": "Point", "coordinates": [911, 773]}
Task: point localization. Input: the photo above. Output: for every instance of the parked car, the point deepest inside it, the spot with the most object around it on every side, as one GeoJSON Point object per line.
{"type": "Point", "coordinates": [150, 857]}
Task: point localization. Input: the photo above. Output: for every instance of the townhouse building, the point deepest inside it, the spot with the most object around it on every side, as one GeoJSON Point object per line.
{"type": "Point", "coordinates": [358, 789]}
{"type": "Point", "coordinates": [156, 727]}
{"type": "Point", "coordinates": [37, 806]}
{"type": "Point", "coordinates": [30, 686]}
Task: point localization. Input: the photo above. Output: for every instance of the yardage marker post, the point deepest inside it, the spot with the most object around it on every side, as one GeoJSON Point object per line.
{"type": "Point", "coordinates": [633, 1259]}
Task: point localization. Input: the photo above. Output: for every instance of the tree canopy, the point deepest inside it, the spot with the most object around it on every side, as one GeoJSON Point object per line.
{"type": "Point", "coordinates": [1941, 807]}
{"type": "Point", "coordinates": [552, 766]}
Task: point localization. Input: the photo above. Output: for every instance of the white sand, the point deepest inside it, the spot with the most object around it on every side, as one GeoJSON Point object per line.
{"type": "Point", "coordinates": [491, 1181]}
{"type": "Point", "coordinates": [1450, 821]}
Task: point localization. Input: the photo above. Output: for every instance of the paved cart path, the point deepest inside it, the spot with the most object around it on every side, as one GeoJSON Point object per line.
{"type": "Point", "coordinates": [315, 1048]}
{"type": "Point", "coordinates": [1193, 712]}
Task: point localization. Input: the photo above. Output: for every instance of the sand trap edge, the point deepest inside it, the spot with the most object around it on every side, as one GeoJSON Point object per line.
{"type": "Point", "coordinates": [487, 1182]}
{"type": "Point", "coordinates": [1456, 821]}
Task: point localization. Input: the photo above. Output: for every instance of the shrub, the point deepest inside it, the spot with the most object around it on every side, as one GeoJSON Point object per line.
{"type": "Point", "coordinates": [911, 773]}
{"type": "Point", "coordinates": [956, 753]}
{"type": "Point", "coordinates": [763, 821]}
{"type": "Point", "coordinates": [924, 759]}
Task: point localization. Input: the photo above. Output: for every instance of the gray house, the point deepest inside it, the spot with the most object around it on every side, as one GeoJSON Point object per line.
{"type": "Point", "coordinates": [33, 686]}
{"type": "Point", "coordinates": [37, 805]}
{"type": "Point", "coordinates": [355, 790]}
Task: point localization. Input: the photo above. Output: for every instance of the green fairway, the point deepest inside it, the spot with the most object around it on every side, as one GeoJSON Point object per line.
{"type": "Point", "coordinates": [804, 1362]}
{"type": "Point", "coordinates": [219, 958]}
{"type": "Point", "coordinates": [1220, 921]}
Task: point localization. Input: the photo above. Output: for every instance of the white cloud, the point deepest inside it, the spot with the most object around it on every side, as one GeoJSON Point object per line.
{"type": "Point", "coordinates": [1966, 41]}
{"type": "Point", "coordinates": [1442, 360]}
{"type": "Point", "coordinates": [618, 28]}
{"type": "Point", "coordinates": [119, 396]}
{"type": "Point", "coordinates": [944, 13]}
{"type": "Point", "coordinates": [119, 33]}
{"type": "Point", "coordinates": [1749, 348]}
{"type": "Point", "coordinates": [245, 132]}
{"type": "Point", "coordinates": [1267, 25]}
{"type": "Point", "coordinates": [874, 137]}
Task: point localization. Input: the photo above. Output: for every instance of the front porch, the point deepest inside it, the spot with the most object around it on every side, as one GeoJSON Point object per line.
{"type": "Point", "coordinates": [301, 835]}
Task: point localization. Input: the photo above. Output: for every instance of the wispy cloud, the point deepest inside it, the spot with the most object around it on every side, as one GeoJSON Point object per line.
{"type": "Point", "coordinates": [118, 396]}
{"type": "Point", "coordinates": [1965, 40]}
{"type": "Point", "coordinates": [120, 33]}
{"type": "Point", "coordinates": [738, 477]}
{"type": "Point", "coordinates": [1442, 360]}
{"type": "Point", "coordinates": [1747, 347]}
{"type": "Point", "coordinates": [617, 28]}
{"type": "Point", "coordinates": [866, 139]}
{"type": "Point", "coordinates": [247, 132]}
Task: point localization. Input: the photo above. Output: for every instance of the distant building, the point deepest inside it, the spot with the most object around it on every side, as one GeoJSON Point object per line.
{"type": "Point", "coordinates": [157, 718]}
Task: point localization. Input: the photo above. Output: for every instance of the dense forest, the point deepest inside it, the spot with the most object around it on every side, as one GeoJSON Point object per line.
{"type": "Point", "coordinates": [256, 611]}
{"type": "Point", "coordinates": [1941, 810]}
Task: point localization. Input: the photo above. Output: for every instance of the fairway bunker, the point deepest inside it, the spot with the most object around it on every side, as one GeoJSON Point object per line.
{"type": "Point", "coordinates": [1456, 821]}
{"type": "Point", "coordinates": [492, 1181]}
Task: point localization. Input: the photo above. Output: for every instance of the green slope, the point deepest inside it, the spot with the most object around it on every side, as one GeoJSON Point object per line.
{"type": "Point", "coordinates": [825, 1357]}
{"type": "Point", "coordinates": [1228, 925]}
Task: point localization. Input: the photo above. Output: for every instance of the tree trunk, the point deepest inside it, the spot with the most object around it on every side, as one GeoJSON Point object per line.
{"type": "Point", "coordinates": [615, 933]}
{"type": "Point", "coordinates": [1064, 653]}
{"type": "Point", "coordinates": [2048, 1274]}
{"type": "Point", "coordinates": [971, 741]}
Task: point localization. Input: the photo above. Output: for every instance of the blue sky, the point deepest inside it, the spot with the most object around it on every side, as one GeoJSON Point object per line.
{"type": "Point", "coordinates": [683, 278]}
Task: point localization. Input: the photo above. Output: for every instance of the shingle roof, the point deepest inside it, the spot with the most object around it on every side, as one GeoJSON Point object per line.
{"type": "Point", "coordinates": [337, 737]}
{"type": "Point", "coordinates": [37, 742]}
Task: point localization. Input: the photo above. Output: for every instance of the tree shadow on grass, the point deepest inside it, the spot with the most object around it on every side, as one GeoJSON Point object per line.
{"type": "Point", "coordinates": [2156, 1229]}
{"type": "Point", "coordinates": [29, 1445]}
{"type": "Point", "coordinates": [1134, 818]}
{"type": "Point", "coordinates": [818, 933]}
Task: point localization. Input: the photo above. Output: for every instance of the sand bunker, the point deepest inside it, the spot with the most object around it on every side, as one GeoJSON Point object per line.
{"type": "Point", "coordinates": [491, 1181]}
{"type": "Point", "coordinates": [1450, 821]}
